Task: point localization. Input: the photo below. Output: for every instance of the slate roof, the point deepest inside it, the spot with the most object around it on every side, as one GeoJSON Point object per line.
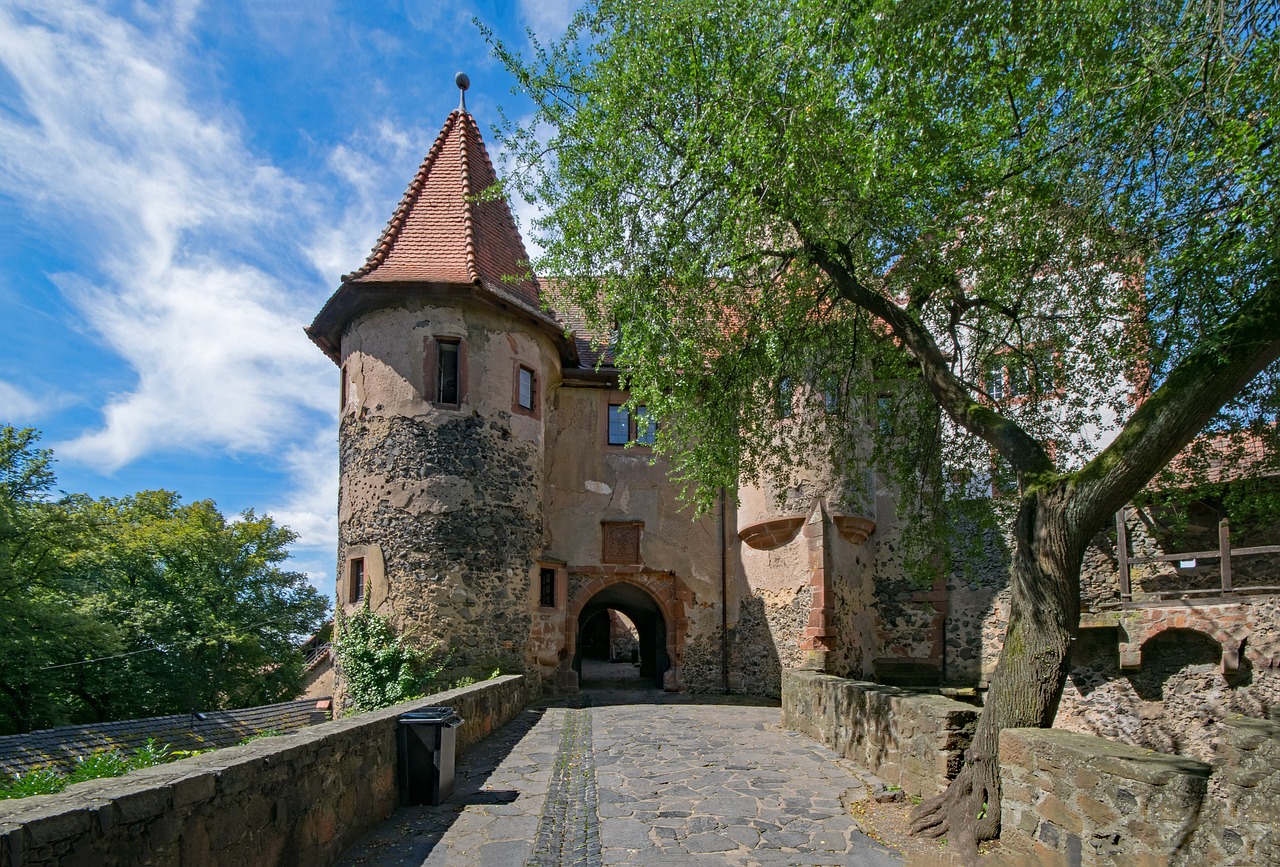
{"type": "Point", "coordinates": [61, 747]}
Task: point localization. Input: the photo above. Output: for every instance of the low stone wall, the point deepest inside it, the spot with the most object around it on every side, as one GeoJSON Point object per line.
{"type": "Point", "coordinates": [1072, 799]}
{"type": "Point", "coordinates": [297, 799]}
{"type": "Point", "coordinates": [1068, 798]}
{"type": "Point", "coordinates": [913, 740]}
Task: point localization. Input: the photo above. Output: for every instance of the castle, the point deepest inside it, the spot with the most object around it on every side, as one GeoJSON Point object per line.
{"type": "Point", "coordinates": [499, 499]}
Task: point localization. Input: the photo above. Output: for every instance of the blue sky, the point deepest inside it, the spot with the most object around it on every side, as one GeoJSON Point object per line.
{"type": "Point", "coordinates": [181, 186]}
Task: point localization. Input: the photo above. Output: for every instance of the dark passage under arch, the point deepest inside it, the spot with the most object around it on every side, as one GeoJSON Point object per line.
{"type": "Point", "coordinates": [643, 610]}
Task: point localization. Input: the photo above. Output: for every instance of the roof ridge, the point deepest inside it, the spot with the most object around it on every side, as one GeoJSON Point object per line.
{"type": "Point", "coordinates": [387, 239]}
{"type": "Point", "coordinates": [468, 199]}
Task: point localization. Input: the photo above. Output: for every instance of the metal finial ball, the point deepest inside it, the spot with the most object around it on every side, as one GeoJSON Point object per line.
{"type": "Point", "coordinates": [462, 81]}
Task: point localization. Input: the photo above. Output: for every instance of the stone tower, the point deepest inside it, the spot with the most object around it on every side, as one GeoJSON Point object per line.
{"type": "Point", "coordinates": [446, 361]}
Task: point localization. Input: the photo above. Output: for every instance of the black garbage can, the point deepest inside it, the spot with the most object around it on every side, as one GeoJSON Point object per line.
{"type": "Point", "coordinates": [427, 740]}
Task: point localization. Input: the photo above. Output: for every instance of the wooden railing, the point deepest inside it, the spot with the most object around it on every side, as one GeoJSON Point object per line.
{"type": "Point", "coordinates": [1224, 553]}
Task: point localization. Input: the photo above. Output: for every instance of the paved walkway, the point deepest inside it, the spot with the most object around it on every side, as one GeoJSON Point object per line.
{"type": "Point", "coordinates": [637, 777]}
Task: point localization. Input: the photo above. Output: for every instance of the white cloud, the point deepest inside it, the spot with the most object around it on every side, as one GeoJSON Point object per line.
{"type": "Point", "coordinates": [311, 507]}
{"type": "Point", "coordinates": [19, 407]}
{"type": "Point", "coordinates": [179, 218]}
{"type": "Point", "coordinates": [548, 18]}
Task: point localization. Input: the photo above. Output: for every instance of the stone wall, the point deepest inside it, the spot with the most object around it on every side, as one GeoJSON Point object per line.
{"type": "Point", "coordinates": [454, 506]}
{"type": "Point", "coordinates": [297, 799]}
{"type": "Point", "coordinates": [1072, 799]}
{"type": "Point", "coordinates": [913, 740]}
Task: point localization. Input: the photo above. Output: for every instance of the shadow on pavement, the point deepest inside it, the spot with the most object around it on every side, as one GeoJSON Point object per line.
{"type": "Point", "coordinates": [410, 834]}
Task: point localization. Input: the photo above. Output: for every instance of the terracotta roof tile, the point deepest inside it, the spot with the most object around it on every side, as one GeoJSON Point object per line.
{"type": "Point", "coordinates": [439, 233]}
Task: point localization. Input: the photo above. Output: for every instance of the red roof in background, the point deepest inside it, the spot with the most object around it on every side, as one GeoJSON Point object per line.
{"type": "Point", "coordinates": [440, 234]}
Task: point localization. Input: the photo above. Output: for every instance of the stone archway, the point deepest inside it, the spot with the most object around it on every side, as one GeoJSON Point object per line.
{"type": "Point", "coordinates": [654, 602]}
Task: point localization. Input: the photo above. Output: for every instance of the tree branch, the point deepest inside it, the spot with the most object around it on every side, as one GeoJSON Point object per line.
{"type": "Point", "coordinates": [1015, 445]}
{"type": "Point", "coordinates": [1196, 389]}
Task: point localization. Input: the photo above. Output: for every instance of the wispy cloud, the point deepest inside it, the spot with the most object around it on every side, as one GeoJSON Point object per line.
{"type": "Point", "coordinates": [20, 407]}
{"type": "Point", "coordinates": [548, 18]}
{"type": "Point", "coordinates": [172, 208]}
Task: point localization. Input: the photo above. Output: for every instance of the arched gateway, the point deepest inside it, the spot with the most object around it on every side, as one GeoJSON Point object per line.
{"type": "Point", "coordinates": [654, 602]}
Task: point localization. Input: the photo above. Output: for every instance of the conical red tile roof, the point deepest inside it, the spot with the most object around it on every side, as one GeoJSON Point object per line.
{"type": "Point", "coordinates": [440, 234]}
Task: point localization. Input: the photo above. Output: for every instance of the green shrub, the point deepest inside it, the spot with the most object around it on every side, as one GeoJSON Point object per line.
{"type": "Point", "coordinates": [41, 782]}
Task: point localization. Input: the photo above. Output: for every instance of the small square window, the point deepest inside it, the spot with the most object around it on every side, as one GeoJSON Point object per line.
{"type": "Point", "coordinates": [619, 425]}
{"type": "Point", "coordinates": [526, 386]}
{"type": "Point", "coordinates": [547, 594]}
{"type": "Point", "coordinates": [355, 580]}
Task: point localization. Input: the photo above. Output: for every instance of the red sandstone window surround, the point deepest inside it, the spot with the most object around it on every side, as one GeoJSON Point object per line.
{"type": "Point", "coordinates": [623, 427]}
{"type": "Point", "coordinates": [525, 399]}
{"type": "Point", "coordinates": [355, 580]}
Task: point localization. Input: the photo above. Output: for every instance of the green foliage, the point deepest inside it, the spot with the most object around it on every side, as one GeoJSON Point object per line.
{"type": "Point", "coordinates": [118, 608]}
{"type": "Point", "coordinates": [267, 733]}
{"type": "Point", "coordinates": [379, 666]}
{"type": "Point", "coordinates": [95, 766]}
{"type": "Point", "coordinates": [1059, 201]}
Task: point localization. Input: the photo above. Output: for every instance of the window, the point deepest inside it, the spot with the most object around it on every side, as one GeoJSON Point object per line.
{"type": "Point", "coordinates": [547, 596]}
{"type": "Point", "coordinates": [526, 388]}
{"type": "Point", "coordinates": [831, 393]}
{"type": "Point", "coordinates": [620, 542]}
{"type": "Point", "coordinates": [995, 382]}
{"type": "Point", "coordinates": [342, 391]}
{"type": "Point", "coordinates": [355, 580]}
{"type": "Point", "coordinates": [619, 425]}
{"type": "Point", "coordinates": [646, 427]}
{"type": "Point", "coordinates": [785, 390]}
{"type": "Point", "coordinates": [885, 412]}
{"type": "Point", "coordinates": [448, 354]}
{"type": "Point", "coordinates": [623, 429]}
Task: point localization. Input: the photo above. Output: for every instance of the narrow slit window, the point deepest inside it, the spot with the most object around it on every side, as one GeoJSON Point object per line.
{"type": "Point", "coordinates": [447, 367]}
{"type": "Point", "coordinates": [547, 596]}
{"type": "Point", "coordinates": [527, 388]}
{"type": "Point", "coordinates": [355, 582]}
{"type": "Point", "coordinates": [619, 425]}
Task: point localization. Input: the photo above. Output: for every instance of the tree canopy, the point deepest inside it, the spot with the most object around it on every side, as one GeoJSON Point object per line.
{"type": "Point", "coordinates": [137, 606]}
{"type": "Point", "coordinates": [1056, 223]}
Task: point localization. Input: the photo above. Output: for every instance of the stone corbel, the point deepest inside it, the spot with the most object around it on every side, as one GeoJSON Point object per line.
{"type": "Point", "coordinates": [767, 535]}
{"type": "Point", "coordinates": [854, 529]}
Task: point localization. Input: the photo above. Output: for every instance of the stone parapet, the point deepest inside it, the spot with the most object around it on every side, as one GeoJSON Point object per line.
{"type": "Point", "coordinates": [1072, 799]}
{"type": "Point", "coordinates": [913, 740]}
{"type": "Point", "coordinates": [300, 798]}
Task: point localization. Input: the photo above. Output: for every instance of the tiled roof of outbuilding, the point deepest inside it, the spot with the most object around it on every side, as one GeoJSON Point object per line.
{"type": "Point", "coordinates": [441, 233]}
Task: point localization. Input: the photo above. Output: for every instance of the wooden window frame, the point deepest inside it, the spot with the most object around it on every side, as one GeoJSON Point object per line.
{"type": "Point", "coordinates": [534, 411]}
{"type": "Point", "coordinates": [356, 589]}
{"type": "Point", "coordinates": [431, 370]}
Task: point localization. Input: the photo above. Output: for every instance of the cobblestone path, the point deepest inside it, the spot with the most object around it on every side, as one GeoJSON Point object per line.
{"type": "Point", "coordinates": [638, 778]}
{"type": "Point", "coordinates": [569, 831]}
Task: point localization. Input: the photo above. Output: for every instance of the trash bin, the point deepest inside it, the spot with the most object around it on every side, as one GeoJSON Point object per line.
{"type": "Point", "coordinates": [427, 741]}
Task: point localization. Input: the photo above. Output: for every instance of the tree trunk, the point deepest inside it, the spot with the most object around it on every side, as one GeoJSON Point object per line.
{"type": "Point", "coordinates": [1044, 614]}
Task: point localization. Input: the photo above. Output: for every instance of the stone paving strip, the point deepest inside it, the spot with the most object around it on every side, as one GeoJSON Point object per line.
{"type": "Point", "coordinates": [643, 778]}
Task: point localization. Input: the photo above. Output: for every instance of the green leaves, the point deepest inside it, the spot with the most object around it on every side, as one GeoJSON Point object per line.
{"type": "Point", "coordinates": [138, 606]}
{"type": "Point", "coordinates": [379, 666]}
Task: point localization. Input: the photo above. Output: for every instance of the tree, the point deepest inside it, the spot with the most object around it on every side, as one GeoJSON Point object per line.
{"type": "Point", "coordinates": [1052, 222]}
{"type": "Point", "coordinates": [44, 621]}
{"type": "Point", "coordinates": [135, 606]}
{"type": "Point", "coordinates": [207, 617]}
